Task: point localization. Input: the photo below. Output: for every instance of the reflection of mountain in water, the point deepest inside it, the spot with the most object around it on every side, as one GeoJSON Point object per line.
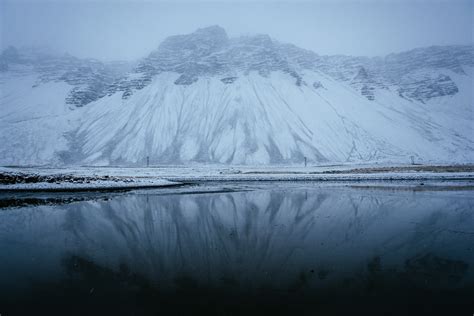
{"type": "Point", "coordinates": [277, 245]}
{"type": "Point", "coordinates": [264, 237]}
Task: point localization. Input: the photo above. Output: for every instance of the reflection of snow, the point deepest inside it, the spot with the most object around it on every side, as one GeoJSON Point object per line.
{"type": "Point", "coordinates": [255, 237]}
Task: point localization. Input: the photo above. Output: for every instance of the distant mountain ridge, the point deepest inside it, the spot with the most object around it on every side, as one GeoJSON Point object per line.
{"type": "Point", "coordinates": [205, 97]}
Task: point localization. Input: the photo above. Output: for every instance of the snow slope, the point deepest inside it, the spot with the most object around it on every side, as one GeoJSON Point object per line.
{"type": "Point", "coordinates": [205, 98]}
{"type": "Point", "coordinates": [32, 120]}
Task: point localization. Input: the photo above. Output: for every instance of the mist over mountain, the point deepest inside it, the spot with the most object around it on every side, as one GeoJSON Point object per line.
{"type": "Point", "coordinates": [207, 98]}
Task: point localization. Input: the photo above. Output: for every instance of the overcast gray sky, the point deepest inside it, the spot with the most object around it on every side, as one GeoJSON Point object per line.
{"type": "Point", "coordinates": [107, 29]}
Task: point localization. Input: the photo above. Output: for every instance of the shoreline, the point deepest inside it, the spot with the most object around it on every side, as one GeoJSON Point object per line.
{"type": "Point", "coordinates": [85, 179]}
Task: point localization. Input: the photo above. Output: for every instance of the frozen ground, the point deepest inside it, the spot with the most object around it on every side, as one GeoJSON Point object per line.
{"type": "Point", "coordinates": [64, 180]}
{"type": "Point", "coordinates": [102, 178]}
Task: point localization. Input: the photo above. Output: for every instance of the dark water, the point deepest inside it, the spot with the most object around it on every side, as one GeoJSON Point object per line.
{"type": "Point", "coordinates": [276, 249]}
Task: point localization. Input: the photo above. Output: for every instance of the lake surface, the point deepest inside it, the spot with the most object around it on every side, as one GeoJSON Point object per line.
{"type": "Point", "coordinates": [288, 248]}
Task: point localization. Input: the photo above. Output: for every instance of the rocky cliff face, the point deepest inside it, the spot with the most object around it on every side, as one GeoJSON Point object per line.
{"type": "Point", "coordinates": [90, 79]}
{"type": "Point", "coordinates": [416, 75]}
{"type": "Point", "coordinates": [209, 52]}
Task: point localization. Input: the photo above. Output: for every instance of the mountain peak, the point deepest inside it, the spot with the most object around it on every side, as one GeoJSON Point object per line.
{"type": "Point", "coordinates": [204, 40]}
{"type": "Point", "coordinates": [212, 30]}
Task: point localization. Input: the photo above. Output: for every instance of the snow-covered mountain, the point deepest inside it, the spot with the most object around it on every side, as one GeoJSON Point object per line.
{"type": "Point", "coordinates": [204, 97]}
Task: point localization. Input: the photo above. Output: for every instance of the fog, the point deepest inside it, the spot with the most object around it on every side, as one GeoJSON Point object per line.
{"type": "Point", "coordinates": [127, 30]}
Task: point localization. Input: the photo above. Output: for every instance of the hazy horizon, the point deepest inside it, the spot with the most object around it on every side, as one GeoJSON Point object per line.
{"type": "Point", "coordinates": [129, 30]}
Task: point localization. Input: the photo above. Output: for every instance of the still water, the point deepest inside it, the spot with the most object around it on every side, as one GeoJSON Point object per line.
{"type": "Point", "coordinates": [275, 248]}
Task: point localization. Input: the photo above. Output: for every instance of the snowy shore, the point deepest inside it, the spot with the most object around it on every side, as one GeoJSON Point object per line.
{"type": "Point", "coordinates": [41, 180]}
{"type": "Point", "coordinates": [111, 178]}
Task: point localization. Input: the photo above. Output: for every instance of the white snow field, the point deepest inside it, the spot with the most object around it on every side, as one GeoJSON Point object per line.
{"type": "Point", "coordinates": [245, 101]}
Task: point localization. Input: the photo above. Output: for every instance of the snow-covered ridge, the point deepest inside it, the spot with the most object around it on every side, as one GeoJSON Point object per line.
{"type": "Point", "coordinates": [90, 79]}
{"type": "Point", "coordinates": [209, 52]}
{"type": "Point", "coordinates": [204, 97]}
